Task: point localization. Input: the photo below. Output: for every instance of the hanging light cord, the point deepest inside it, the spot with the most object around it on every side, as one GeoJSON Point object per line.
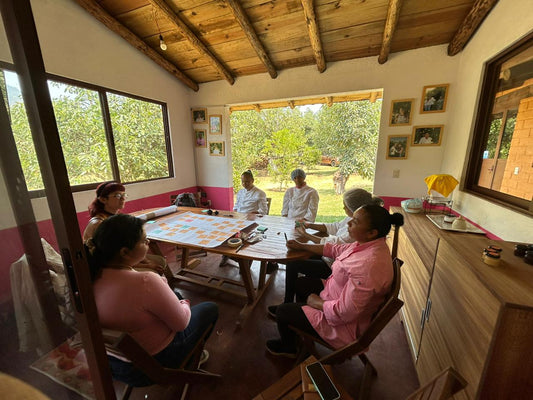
{"type": "Point", "coordinates": [162, 43]}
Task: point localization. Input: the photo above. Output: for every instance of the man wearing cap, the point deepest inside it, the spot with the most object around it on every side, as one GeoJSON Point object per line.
{"type": "Point", "coordinates": [301, 201]}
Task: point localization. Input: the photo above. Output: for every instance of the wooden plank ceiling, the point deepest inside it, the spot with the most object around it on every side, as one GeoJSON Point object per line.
{"type": "Point", "coordinates": [209, 40]}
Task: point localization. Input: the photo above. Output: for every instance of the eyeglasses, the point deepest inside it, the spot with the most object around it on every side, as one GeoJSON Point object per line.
{"type": "Point", "coordinates": [120, 196]}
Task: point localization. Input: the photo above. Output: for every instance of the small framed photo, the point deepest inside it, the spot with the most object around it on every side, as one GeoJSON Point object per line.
{"type": "Point", "coordinates": [216, 148]}
{"type": "Point", "coordinates": [434, 98]}
{"type": "Point", "coordinates": [200, 137]}
{"type": "Point", "coordinates": [429, 135]}
{"type": "Point", "coordinates": [215, 124]}
{"type": "Point", "coordinates": [199, 115]}
{"type": "Point", "coordinates": [397, 147]}
{"type": "Point", "coordinates": [400, 113]}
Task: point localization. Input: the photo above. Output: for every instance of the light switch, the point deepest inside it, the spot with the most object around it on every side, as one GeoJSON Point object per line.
{"type": "Point", "coordinates": [516, 170]}
{"type": "Point", "coordinates": [395, 173]}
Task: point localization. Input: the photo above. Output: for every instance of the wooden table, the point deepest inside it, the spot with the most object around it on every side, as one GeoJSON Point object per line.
{"type": "Point", "coordinates": [297, 384]}
{"type": "Point", "coordinates": [271, 248]}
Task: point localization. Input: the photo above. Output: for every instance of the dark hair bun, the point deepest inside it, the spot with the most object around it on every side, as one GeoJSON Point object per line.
{"type": "Point", "coordinates": [396, 219]}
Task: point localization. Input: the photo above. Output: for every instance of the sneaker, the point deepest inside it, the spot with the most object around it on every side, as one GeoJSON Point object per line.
{"type": "Point", "coordinates": [271, 267]}
{"type": "Point", "coordinates": [276, 348]}
{"type": "Point", "coordinates": [272, 311]}
{"type": "Point", "coordinates": [203, 358]}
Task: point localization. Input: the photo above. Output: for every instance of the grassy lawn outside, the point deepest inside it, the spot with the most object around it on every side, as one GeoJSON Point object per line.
{"type": "Point", "coordinates": [330, 208]}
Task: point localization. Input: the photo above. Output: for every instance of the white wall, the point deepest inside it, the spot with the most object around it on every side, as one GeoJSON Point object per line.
{"type": "Point", "coordinates": [77, 46]}
{"type": "Point", "coordinates": [403, 76]}
{"type": "Point", "coordinates": [509, 21]}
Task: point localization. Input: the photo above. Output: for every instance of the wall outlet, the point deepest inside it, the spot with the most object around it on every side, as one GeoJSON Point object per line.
{"type": "Point", "coordinates": [516, 170]}
{"type": "Point", "coordinates": [395, 173]}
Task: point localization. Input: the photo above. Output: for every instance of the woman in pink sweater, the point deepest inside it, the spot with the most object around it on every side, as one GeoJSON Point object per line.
{"type": "Point", "coordinates": [141, 303]}
{"type": "Point", "coordinates": [339, 309]}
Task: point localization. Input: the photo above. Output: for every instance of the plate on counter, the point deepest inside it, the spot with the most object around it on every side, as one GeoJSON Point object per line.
{"type": "Point", "coordinates": [438, 219]}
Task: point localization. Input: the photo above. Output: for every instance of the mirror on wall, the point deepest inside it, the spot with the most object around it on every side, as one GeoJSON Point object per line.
{"type": "Point", "coordinates": [501, 161]}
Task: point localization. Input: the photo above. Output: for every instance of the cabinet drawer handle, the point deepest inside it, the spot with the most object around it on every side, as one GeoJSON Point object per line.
{"type": "Point", "coordinates": [428, 309]}
{"type": "Point", "coordinates": [423, 317]}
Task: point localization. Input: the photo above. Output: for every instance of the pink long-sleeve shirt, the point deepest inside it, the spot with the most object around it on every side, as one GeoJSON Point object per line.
{"type": "Point", "coordinates": [142, 305]}
{"type": "Point", "coordinates": [360, 279]}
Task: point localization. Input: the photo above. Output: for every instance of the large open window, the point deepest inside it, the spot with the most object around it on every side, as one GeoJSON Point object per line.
{"type": "Point", "coordinates": [500, 165]}
{"type": "Point", "coordinates": [104, 135]}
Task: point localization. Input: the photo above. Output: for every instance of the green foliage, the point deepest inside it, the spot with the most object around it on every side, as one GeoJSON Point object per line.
{"type": "Point", "coordinates": [138, 134]}
{"type": "Point", "coordinates": [349, 131]}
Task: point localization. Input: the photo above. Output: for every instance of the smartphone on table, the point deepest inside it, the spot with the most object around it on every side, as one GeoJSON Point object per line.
{"type": "Point", "coordinates": [323, 384]}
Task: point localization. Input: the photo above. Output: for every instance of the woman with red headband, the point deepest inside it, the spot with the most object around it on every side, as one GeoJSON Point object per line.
{"type": "Point", "coordinates": [110, 199]}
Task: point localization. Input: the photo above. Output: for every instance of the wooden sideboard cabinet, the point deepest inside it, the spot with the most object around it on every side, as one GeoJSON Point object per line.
{"type": "Point", "coordinates": [463, 313]}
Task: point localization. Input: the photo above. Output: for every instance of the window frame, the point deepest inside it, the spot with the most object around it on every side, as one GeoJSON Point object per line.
{"type": "Point", "coordinates": [102, 94]}
{"type": "Point", "coordinates": [481, 131]}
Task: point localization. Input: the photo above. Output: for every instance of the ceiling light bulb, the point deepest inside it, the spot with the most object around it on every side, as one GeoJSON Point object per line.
{"type": "Point", "coordinates": [162, 43]}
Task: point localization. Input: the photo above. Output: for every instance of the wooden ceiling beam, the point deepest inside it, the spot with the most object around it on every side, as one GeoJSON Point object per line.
{"type": "Point", "coordinates": [393, 14]}
{"type": "Point", "coordinates": [93, 8]}
{"type": "Point", "coordinates": [314, 34]}
{"type": "Point", "coordinates": [249, 31]}
{"type": "Point", "coordinates": [468, 27]}
{"type": "Point", "coordinates": [192, 38]}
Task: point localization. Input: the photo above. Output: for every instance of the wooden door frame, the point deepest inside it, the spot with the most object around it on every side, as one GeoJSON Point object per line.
{"type": "Point", "coordinates": [25, 50]}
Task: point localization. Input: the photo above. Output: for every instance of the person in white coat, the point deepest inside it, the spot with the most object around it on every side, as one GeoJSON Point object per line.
{"type": "Point", "coordinates": [250, 199]}
{"type": "Point", "coordinates": [300, 201]}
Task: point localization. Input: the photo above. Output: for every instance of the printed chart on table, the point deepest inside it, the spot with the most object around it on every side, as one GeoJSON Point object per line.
{"type": "Point", "coordinates": [195, 229]}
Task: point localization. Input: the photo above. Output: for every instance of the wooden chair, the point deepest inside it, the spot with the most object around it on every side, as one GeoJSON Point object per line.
{"type": "Point", "coordinates": [124, 345]}
{"type": "Point", "coordinates": [441, 387]}
{"type": "Point", "coordinates": [383, 316]}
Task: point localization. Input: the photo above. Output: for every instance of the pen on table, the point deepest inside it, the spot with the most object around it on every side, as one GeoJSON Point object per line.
{"type": "Point", "coordinates": [240, 247]}
{"type": "Point", "coordinates": [285, 237]}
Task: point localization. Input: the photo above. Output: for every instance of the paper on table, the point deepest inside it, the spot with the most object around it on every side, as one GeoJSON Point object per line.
{"type": "Point", "coordinates": [158, 213]}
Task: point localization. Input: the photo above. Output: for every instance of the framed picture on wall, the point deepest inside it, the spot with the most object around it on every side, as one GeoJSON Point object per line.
{"type": "Point", "coordinates": [216, 148]}
{"type": "Point", "coordinates": [215, 124]}
{"type": "Point", "coordinates": [199, 115]}
{"type": "Point", "coordinates": [429, 135]}
{"type": "Point", "coordinates": [434, 98]}
{"type": "Point", "coordinates": [400, 112]}
{"type": "Point", "coordinates": [397, 146]}
{"type": "Point", "coordinates": [200, 137]}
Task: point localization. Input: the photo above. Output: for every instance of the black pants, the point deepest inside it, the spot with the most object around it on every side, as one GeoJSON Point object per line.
{"type": "Point", "coordinates": [312, 268]}
{"type": "Point", "coordinates": [292, 313]}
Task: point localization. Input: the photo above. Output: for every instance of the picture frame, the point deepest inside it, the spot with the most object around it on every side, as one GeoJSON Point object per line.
{"type": "Point", "coordinates": [397, 147]}
{"type": "Point", "coordinates": [427, 135]}
{"type": "Point", "coordinates": [199, 115]}
{"type": "Point", "coordinates": [434, 98]}
{"type": "Point", "coordinates": [215, 124]}
{"type": "Point", "coordinates": [401, 112]}
{"type": "Point", "coordinates": [217, 148]}
{"type": "Point", "coordinates": [200, 137]}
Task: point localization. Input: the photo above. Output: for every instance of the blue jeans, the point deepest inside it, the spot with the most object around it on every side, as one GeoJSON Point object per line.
{"type": "Point", "coordinates": [202, 316]}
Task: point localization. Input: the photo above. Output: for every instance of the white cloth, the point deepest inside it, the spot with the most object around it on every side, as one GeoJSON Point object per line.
{"type": "Point", "coordinates": [300, 203]}
{"type": "Point", "coordinates": [251, 201]}
{"type": "Point", "coordinates": [424, 140]}
{"type": "Point", "coordinates": [337, 232]}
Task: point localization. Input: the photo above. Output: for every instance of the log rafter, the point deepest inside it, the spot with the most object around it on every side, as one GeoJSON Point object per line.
{"type": "Point", "coordinates": [468, 27]}
{"type": "Point", "coordinates": [93, 8]}
{"type": "Point", "coordinates": [393, 14]}
{"type": "Point", "coordinates": [243, 20]}
{"type": "Point", "coordinates": [192, 38]}
{"type": "Point", "coordinates": [314, 34]}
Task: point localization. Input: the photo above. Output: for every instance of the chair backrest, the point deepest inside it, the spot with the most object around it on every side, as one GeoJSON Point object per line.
{"type": "Point", "coordinates": [122, 344]}
{"type": "Point", "coordinates": [387, 311]}
{"type": "Point", "coordinates": [269, 200]}
{"type": "Point", "coordinates": [441, 387]}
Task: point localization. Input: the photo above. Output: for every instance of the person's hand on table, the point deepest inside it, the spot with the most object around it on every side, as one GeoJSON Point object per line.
{"type": "Point", "coordinates": [295, 245]}
{"type": "Point", "coordinates": [315, 301]}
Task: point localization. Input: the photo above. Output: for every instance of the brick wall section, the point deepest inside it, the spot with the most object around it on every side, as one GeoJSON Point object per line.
{"type": "Point", "coordinates": [521, 154]}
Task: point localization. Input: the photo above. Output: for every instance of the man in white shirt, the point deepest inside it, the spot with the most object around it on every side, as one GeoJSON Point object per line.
{"type": "Point", "coordinates": [300, 201]}
{"type": "Point", "coordinates": [426, 139]}
{"type": "Point", "coordinates": [250, 199]}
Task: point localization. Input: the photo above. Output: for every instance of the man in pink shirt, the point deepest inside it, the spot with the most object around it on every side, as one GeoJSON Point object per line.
{"type": "Point", "coordinates": [340, 309]}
